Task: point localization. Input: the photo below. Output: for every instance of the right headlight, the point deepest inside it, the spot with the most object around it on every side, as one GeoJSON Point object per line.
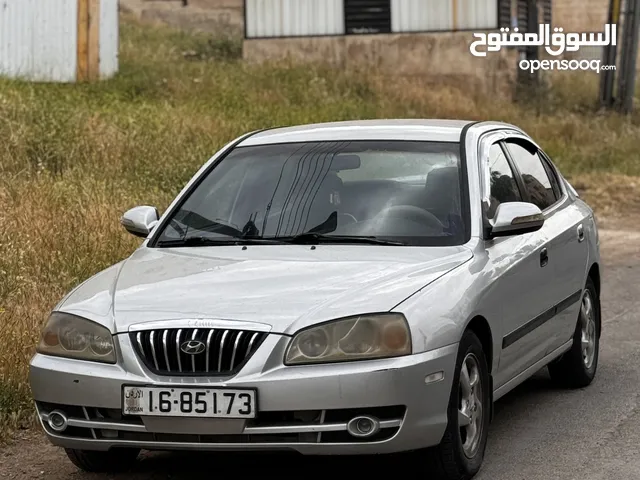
{"type": "Point", "coordinates": [364, 337]}
{"type": "Point", "coordinates": [70, 336]}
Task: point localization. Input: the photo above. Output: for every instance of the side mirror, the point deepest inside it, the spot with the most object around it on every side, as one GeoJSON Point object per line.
{"type": "Point", "coordinates": [139, 221]}
{"type": "Point", "coordinates": [516, 218]}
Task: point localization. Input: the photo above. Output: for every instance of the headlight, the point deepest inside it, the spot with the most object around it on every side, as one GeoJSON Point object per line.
{"type": "Point", "coordinates": [364, 337]}
{"type": "Point", "coordinates": [66, 335]}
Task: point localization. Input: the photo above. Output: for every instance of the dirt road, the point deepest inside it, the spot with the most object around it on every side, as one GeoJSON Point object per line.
{"type": "Point", "coordinates": [538, 432]}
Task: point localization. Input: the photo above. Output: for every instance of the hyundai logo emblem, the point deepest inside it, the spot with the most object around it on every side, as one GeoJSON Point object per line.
{"type": "Point", "coordinates": [192, 347]}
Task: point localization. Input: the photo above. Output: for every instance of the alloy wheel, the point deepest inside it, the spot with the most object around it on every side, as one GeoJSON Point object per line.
{"type": "Point", "coordinates": [588, 329]}
{"type": "Point", "coordinates": [470, 407]}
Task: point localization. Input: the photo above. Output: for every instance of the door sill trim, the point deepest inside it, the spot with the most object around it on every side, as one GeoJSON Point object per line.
{"type": "Point", "coordinates": [521, 377]}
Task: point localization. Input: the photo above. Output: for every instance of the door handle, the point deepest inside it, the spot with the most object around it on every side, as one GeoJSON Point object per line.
{"type": "Point", "coordinates": [544, 257]}
{"type": "Point", "coordinates": [580, 230]}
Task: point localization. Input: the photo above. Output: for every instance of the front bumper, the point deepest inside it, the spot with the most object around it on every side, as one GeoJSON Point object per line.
{"type": "Point", "coordinates": [303, 408]}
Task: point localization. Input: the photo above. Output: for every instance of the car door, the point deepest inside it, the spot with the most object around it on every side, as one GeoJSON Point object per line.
{"type": "Point", "coordinates": [521, 289]}
{"type": "Point", "coordinates": [564, 230]}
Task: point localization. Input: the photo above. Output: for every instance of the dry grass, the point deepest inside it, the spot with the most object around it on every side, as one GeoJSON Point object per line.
{"type": "Point", "coordinates": [73, 158]}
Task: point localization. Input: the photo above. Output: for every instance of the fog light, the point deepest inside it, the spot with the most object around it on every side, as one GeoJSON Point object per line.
{"type": "Point", "coordinates": [57, 421]}
{"type": "Point", "coordinates": [363, 426]}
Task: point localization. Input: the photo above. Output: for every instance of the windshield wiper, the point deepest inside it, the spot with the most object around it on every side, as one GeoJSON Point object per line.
{"type": "Point", "coordinates": [312, 237]}
{"type": "Point", "coordinates": [197, 241]}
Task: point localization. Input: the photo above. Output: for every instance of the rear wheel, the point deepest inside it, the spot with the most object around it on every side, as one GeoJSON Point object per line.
{"type": "Point", "coordinates": [116, 460]}
{"type": "Point", "coordinates": [460, 454]}
{"type": "Point", "coordinates": [577, 368]}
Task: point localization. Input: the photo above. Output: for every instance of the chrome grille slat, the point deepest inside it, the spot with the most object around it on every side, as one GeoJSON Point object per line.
{"type": "Point", "coordinates": [253, 339]}
{"type": "Point", "coordinates": [153, 349]}
{"type": "Point", "coordinates": [139, 340]}
{"type": "Point", "coordinates": [209, 335]}
{"type": "Point", "coordinates": [222, 340]}
{"type": "Point", "coordinates": [193, 357]}
{"type": "Point", "coordinates": [165, 334]}
{"type": "Point", "coordinates": [178, 349]}
{"type": "Point", "coordinates": [235, 349]}
{"type": "Point", "coordinates": [218, 351]}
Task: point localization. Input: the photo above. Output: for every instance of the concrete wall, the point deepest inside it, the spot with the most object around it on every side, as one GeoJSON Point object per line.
{"type": "Point", "coordinates": [580, 15]}
{"type": "Point", "coordinates": [585, 16]}
{"type": "Point", "coordinates": [219, 17]}
{"type": "Point", "coordinates": [441, 56]}
{"type": "Point", "coordinates": [236, 4]}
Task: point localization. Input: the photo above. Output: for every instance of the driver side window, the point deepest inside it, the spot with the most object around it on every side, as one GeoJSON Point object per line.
{"type": "Point", "coordinates": [503, 185]}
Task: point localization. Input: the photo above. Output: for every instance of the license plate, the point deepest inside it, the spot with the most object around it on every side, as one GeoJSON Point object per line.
{"type": "Point", "coordinates": [189, 402]}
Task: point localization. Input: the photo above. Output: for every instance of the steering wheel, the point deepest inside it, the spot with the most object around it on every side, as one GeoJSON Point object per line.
{"type": "Point", "coordinates": [347, 216]}
{"type": "Point", "coordinates": [413, 213]}
{"type": "Point", "coordinates": [350, 218]}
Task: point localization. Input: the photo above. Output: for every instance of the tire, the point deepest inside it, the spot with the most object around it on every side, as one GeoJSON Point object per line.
{"type": "Point", "coordinates": [577, 367]}
{"type": "Point", "coordinates": [116, 460]}
{"type": "Point", "coordinates": [451, 460]}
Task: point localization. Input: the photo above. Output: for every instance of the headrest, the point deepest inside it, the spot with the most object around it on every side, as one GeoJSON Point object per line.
{"type": "Point", "coordinates": [445, 177]}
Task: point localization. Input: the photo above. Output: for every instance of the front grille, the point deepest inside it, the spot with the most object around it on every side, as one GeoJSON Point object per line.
{"type": "Point", "coordinates": [213, 351]}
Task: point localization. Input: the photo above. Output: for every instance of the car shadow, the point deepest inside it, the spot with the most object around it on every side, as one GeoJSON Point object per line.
{"type": "Point", "coordinates": [196, 465]}
{"type": "Point", "coordinates": [533, 391]}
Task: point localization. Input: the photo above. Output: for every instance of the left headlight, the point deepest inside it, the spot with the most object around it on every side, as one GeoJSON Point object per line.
{"type": "Point", "coordinates": [66, 335]}
{"type": "Point", "coordinates": [364, 337]}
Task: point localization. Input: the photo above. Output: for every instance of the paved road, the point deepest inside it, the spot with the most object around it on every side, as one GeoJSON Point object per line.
{"type": "Point", "coordinates": [538, 432]}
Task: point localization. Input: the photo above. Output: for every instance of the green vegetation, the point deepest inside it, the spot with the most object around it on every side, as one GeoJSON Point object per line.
{"type": "Point", "coordinates": [74, 157]}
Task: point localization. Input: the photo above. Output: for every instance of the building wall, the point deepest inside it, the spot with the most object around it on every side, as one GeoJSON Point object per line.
{"type": "Point", "coordinates": [219, 17]}
{"type": "Point", "coordinates": [441, 56]}
{"type": "Point", "coordinates": [580, 15]}
{"type": "Point", "coordinates": [444, 55]}
{"type": "Point", "coordinates": [237, 4]}
{"type": "Point", "coordinates": [572, 15]}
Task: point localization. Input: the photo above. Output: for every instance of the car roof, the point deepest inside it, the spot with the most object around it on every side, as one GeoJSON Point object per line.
{"type": "Point", "coordinates": [399, 129]}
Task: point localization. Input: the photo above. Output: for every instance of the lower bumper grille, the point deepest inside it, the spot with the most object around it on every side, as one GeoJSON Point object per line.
{"type": "Point", "coordinates": [309, 426]}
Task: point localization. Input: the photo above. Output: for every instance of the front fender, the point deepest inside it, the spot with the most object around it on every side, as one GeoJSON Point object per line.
{"type": "Point", "coordinates": [439, 314]}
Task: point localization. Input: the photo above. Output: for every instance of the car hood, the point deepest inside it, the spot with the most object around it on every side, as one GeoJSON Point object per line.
{"type": "Point", "coordinates": [285, 287]}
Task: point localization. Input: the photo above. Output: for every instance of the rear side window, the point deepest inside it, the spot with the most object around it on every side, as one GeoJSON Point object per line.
{"type": "Point", "coordinates": [504, 188]}
{"type": "Point", "coordinates": [535, 177]}
{"type": "Point", "coordinates": [555, 183]}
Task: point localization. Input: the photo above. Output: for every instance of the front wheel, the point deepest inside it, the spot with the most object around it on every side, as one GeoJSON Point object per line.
{"type": "Point", "coordinates": [116, 460]}
{"type": "Point", "coordinates": [577, 368]}
{"type": "Point", "coordinates": [459, 456]}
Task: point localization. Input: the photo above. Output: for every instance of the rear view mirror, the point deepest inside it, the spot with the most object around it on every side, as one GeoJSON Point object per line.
{"type": "Point", "coordinates": [139, 221]}
{"type": "Point", "coordinates": [345, 162]}
{"type": "Point", "coordinates": [516, 218]}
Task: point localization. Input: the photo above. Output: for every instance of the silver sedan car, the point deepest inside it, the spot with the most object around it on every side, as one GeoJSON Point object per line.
{"type": "Point", "coordinates": [354, 288]}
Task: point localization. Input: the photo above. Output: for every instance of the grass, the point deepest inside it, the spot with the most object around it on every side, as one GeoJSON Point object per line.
{"type": "Point", "coordinates": [74, 157]}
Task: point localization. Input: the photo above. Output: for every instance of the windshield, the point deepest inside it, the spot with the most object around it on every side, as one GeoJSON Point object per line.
{"type": "Point", "coordinates": [407, 193]}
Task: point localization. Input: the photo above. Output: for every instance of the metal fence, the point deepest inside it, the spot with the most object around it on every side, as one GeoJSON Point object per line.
{"type": "Point", "coordinates": [51, 40]}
